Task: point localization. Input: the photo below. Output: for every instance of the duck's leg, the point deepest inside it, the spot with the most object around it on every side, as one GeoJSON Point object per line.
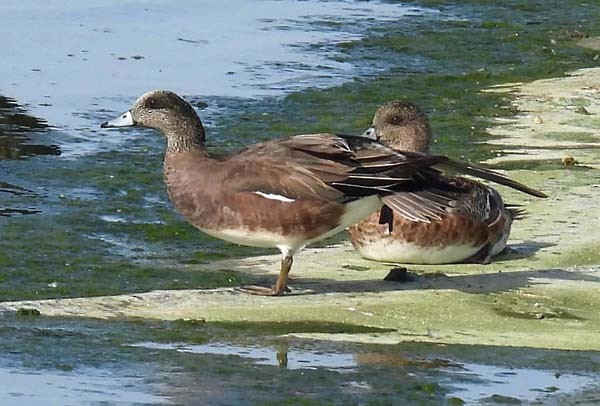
{"type": "Point", "coordinates": [280, 287]}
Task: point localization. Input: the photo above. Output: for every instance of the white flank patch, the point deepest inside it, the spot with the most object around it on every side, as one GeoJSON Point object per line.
{"type": "Point", "coordinates": [359, 209]}
{"type": "Point", "coordinates": [355, 212]}
{"type": "Point", "coordinates": [388, 250]}
{"type": "Point", "coordinates": [273, 196]}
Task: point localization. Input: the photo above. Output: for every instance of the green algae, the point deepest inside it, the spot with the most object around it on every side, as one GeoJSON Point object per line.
{"type": "Point", "coordinates": [408, 373]}
{"type": "Point", "coordinates": [592, 123]}
{"type": "Point", "coordinates": [572, 102]}
{"type": "Point", "coordinates": [541, 165]}
{"type": "Point", "coordinates": [532, 307]}
{"type": "Point", "coordinates": [201, 331]}
{"type": "Point", "coordinates": [25, 312]}
{"type": "Point", "coordinates": [583, 254]}
{"type": "Point", "coordinates": [259, 328]}
{"type": "Point", "coordinates": [581, 137]}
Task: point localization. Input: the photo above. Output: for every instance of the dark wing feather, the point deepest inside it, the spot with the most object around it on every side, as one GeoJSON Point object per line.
{"type": "Point", "coordinates": [337, 161]}
{"type": "Point", "coordinates": [423, 205]}
{"type": "Point", "coordinates": [483, 173]}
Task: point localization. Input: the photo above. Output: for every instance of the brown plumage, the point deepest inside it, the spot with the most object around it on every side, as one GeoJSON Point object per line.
{"type": "Point", "coordinates": [475, 227]}
{"type": "Point", "coordinates": [284, 193]}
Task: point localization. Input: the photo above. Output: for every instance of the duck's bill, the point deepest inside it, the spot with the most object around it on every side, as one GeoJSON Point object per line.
{"type": "Point", "coordinates": [124, 120]}
{"type": "Point", "coordinates": [370, 133]}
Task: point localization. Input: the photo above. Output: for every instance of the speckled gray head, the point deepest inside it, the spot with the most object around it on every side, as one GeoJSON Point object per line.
{"type": "Point", "coordinates": [401, 125]}
{"type": "Point", "coordinates": [164, 111]}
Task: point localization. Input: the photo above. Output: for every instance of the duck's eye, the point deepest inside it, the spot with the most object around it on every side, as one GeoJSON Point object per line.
{"type": "Point", "coordinates": [396, 120]}
{"type": "Point", "coordinates": [151, 103]}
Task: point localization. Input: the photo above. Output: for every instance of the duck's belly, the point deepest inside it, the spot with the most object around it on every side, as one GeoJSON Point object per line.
{"type": "Point", "coordinates": [390, 250]}
{"type": "Point", "coordinates": [501, 239]}
{"type": "Point", "coordinates": [258, 238]}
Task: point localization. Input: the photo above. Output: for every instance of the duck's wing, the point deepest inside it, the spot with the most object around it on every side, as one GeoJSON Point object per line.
{"type": "Point", "coordinates": [332, 168]}
{"type": "Point", "coordinates": [360, 166]}
{"type": "Point", "coordinates": [375, 157]}
{"type": "Point", "coordinates": [341, 168]}
{"type": "Point", "coordinates": [279, 179]}
{"type": "Point", "coordinates": [480, 202]}
{"type": "Point", "coordinates": [433, 204]}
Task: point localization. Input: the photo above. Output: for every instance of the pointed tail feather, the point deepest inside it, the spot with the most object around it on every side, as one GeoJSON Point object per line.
{"type": "Point", "coordinates": [490, 175]}
{"type": "Point", "coordinates": [515, 211]}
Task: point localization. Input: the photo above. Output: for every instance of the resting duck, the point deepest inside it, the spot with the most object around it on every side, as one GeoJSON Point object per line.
{"type": "Point", "coordinates": [473, 230]}
{"type": "Point", "coordinates": [289, 192]}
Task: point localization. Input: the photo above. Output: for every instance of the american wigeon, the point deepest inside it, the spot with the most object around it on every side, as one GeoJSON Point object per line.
{"type": "Point", "coordinates": [473, 230]}
{"type": "Point", "coordinates": [288, 192]}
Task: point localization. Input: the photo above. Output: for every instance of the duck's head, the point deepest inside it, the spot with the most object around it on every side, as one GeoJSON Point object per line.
{"type": "Point", "coordinates": [401, 125]}
{"type": "Point", "coordinates": [164, 111]}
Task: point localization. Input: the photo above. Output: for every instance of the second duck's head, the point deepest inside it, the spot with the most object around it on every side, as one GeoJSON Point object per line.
{"type": "Point", "coordinates": [401, 125]}
{"type": "Point", "coordinates": [163, 111]}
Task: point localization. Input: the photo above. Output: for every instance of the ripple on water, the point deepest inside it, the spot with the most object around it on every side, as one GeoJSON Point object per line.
{"type": "Point", "coordinates": [77, 387]}
{"type": "Point", "coordinates": [477, 382]}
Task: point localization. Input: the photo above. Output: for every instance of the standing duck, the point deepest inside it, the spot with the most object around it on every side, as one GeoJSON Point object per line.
{"type": "Point", "coordinates": [289, 192]}
{"type": "Point", "coordinates": [475, 228]}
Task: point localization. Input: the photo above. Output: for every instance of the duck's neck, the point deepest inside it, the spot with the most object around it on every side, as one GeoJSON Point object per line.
{"type": "Point", "coordinates": [186, 137]}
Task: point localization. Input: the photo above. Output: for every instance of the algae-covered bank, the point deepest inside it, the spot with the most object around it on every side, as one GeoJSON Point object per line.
{"type": "Point", "coordinates": [544, 292]}
{"type": "Point", "coordinates": [108, 296]}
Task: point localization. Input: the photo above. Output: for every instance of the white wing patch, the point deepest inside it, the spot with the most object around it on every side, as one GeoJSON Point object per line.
{"type": "Point", "coordinates": [273, 196]}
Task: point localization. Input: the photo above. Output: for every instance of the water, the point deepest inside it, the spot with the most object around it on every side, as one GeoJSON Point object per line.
{"type": "Point", "coordinates": [526, 384]}
{"type": "Point", "coordinates": [84, 386]}
{"type": "Point", "coordinates": [66, 361]}
{"type": "Point", "coordinates": [105, 53]}
{"type": "Point", "coordinates": [83, 210]}
{"type": "Point", "coordinates": [468, 381]}
{"type": "Point", "coordinates": [291, 359]}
